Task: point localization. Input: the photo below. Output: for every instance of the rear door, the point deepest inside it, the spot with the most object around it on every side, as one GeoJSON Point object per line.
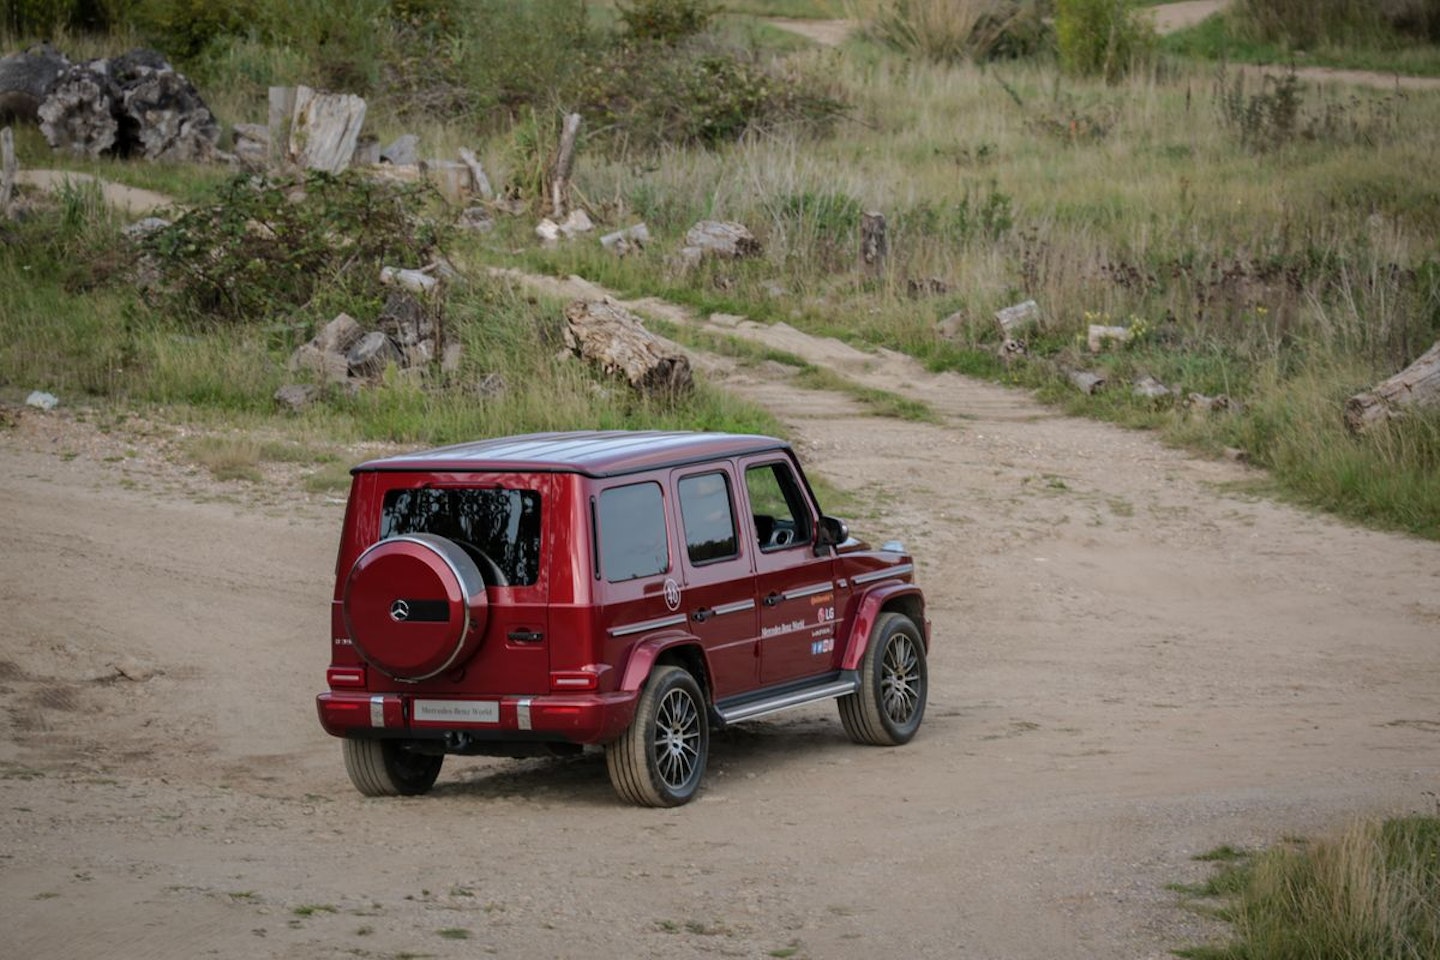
{"type": "Point", "coordinates": [718, 579]}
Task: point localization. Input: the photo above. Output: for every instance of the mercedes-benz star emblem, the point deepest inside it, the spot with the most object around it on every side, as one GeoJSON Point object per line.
{"type": "Point", "coordinates": [400, 611]}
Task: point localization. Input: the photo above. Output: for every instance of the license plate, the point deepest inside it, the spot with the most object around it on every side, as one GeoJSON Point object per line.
{"type": "Point", "coordinates": [456, 711]}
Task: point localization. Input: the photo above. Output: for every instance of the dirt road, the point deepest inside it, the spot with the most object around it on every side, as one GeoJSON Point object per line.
{"type": "Point", "coordinates": [1131, 666]}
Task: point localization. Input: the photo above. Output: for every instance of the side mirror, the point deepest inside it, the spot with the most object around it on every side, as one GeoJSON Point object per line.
{"type": "Point", "coordinates": [833, 532]}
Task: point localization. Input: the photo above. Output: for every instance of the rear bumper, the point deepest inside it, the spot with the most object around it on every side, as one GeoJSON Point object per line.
{"type": "Point", "coordinates": [581, 718]}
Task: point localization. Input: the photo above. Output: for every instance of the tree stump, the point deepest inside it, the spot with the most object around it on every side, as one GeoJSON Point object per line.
{"type": "Point", "coordinates": [874, 245]}
{"type": "Point", "coordinates": [607, 334]}
{"type": "Point", "coordinates": [324, 129]}
{"type": "Point", "coordinates": [1418, 386]}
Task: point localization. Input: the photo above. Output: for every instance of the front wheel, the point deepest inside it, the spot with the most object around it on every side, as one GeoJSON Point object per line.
{"type": "Point", "coordinates": [390, 768]}
{"type": "Point", "coordinates": [887, 709]}
{"type": "Point", "coordinates": [659, 760]}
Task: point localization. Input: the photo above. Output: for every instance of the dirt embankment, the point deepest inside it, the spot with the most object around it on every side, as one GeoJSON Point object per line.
{"type": "Point", "coordinates": [1134, 662]}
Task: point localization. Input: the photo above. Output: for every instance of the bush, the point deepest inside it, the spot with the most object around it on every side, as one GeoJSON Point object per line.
{"type": "Point", "coordinates": [953, 30]}
{"type": "Point", "coordinates": [1101, 37]}
{"type": "Point", "coordinates": [265, 248]}
{"type": "Point", "coordinates": [1308, 23]}
{"type": "Point", "coordinates": [666, 21]}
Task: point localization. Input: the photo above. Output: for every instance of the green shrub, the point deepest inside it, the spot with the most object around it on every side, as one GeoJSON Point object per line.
{"type": "Point", "coordinates": [666, 21]}
{"type": "Point", "coordinates": [1309, 23]}
{"type": "Point", "coordinates": [1102, 38]}
{"type": "Point", "coordinates": [265, 248]}
{"type": "Point", "coordinates": [181, 29]}
{"type": "Point", "coordinates": [955, 30]}
{"type": "Point", "coordinates": [44, 18]}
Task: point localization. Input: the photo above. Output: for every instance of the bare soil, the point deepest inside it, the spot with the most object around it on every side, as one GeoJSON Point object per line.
{"type": "Point", "coordinates": [1135, 661]}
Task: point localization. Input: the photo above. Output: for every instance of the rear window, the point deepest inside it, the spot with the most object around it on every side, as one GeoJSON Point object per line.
{"type": "Point", "coordinates": [633, 541]}
{"type": "Point", "coordinates": [503, 525]}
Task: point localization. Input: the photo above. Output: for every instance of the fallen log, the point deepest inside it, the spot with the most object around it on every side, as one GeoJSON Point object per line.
{"type": "Point", "coordinates": [1417, 386]}
{"type": "Point", "coordinates": [605, 333]}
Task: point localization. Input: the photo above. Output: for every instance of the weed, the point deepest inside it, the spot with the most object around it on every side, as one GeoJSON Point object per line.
{"type": "Point", "coordinates": [1101, 38]}
{"type": "Point", "coordinates": [310, 909]}
{"type": "Point", "coordinates": [454, 933]}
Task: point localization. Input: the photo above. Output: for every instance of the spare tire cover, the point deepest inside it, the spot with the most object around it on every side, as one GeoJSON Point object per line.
{"type": "Point", "coordinates": [415, 606]}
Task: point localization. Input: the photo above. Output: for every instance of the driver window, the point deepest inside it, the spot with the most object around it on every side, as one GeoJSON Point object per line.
{"type": "Point", "coordinates": [780, 515]}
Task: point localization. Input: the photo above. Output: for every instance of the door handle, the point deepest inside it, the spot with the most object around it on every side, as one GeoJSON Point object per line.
{"type": "Point", "coordinates": [771, 599]}
{"type": "Point", "coordinates": [701, 615]}
{"type": "Point", "coordinates": [525, 636]}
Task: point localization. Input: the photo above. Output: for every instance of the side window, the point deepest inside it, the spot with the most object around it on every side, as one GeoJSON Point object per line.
{"type": "Point", "coordinates": [633, 542]}
{"type": "Point", "coordinates": [781, 516]}
{"type": "Point", "coordinates": [708, 516]}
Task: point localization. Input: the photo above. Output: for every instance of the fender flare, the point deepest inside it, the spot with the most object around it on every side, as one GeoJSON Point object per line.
{"type": "Point", "coordinates": [871, 605]}
{"type": "Point", "coordinates": [646, 652]}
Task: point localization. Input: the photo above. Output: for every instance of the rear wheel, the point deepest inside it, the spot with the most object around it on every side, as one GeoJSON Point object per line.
{"type": "Point", "coordinates": [887, 709]}
{"type": "Point", "coordinates": [659, 760]}
{"type": "Point", "coordinates": [390, 768]}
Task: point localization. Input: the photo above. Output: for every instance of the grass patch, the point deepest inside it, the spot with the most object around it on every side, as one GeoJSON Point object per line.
{"type": "Point", "coordinates": [1367, 894]}
{"type": "Point", "coordinates": [455, 933]}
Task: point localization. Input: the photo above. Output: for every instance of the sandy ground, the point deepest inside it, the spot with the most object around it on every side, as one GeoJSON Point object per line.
{"type": "Point", "coordinates": [1134, 662]}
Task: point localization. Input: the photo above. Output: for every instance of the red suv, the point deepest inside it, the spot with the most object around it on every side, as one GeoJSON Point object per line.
{"type": "Point", "coordinates": [535, 594]}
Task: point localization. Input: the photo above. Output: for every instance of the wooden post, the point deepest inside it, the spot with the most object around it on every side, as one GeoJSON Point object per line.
{"type": "Point", "coordinates": [564, 162]}
{"type": "Point", "coordinates": [874, 246]}
{"type": "Point", "coordinates": [282, 108]}
{"type": "Point", "coordinates": [8, 170]}
{"type": "Point", "coordinates": [479, 181]}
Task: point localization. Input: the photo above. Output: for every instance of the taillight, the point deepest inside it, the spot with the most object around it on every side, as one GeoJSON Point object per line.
{"type": "Point", "coordinates": [573, 680]}
{"type": "Point", "coordinates": [346, 676]}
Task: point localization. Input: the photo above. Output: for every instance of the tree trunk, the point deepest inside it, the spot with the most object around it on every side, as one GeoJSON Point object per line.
{"type": "Point", "coordinates": [604, 332]}
{"type": "Point", "coordinates": [478, 181]}
{"type": "Point", "coordinates": [1418, 385]}
{"type": "Point", "coordinates": [564, 162]}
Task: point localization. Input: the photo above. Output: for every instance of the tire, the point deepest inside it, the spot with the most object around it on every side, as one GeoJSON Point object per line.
{"type": "Point", "coordinates": [659, 760]}
{"type": "Point", "coordinates": [887, 709]}
{"type": "Point", "coordinates": [390, 768]}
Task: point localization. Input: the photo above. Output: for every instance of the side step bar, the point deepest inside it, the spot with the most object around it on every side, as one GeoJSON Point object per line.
{"type": "Point", "coordinates": [848, 682]}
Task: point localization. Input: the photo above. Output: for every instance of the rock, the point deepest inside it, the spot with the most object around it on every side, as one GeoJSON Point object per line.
{"type": "Point", "coordinates": [1204, 404]}
{"type": "Point", "coordinates": [26, 80]}
{"type": "Point", "coordinates": [622, 241]}
{"type": "Point", "coordinates": [141, 229]}
{"type": "Point", "coordinates": [450, 358]}
{"type": "Point", "coordinates": [339, 335]}
{"type": "Point", "coordinates": [1100, 335]}
{"type": "Point", "coordinates": [134, 104]}
{"type": "Point", "coordinates": [369, 358]}
{"type": "Point", "coordinates": [475, 219]}
{"type": "Point", "coordinates": [1150, 388]}
{"type": "Point", "coordinates": [403, 152]}
{"type": "Point", "coordinates": [577, 222]}
{"type": "Point", "coordinates": [252, 145]}
{"type": "Point", "coordinates": [296, 396]}
{"type": "Point", "coordinates": [1087, 382]}
{"type": "Point", "coordinates": [722, 239]}
{"type": "Point", "coordinates": [1014, 319]}
{"type": "Point", "coordinates": [405, 320]}
{"type": "Point", "coordinates": [412, 280]}
{"type": "Point", "coordinates": [327, 365]}
{"type": "Point", "coordinates": [950, 327]}
{"type": "Point", "coordinates": [41, 400]}
{"type": "Point", "coordinates": [548, 231]}
{"type": "Point", "coordinates": [367, 151]}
